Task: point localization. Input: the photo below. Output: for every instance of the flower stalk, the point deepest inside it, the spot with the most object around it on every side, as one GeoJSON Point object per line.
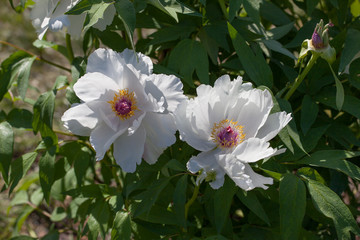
{"type": "Point", "coordinates": [192, 199]}
{"type": "Point", "coordinates": [301, 77]}
{"type": "Point", "coordinates": [69, 48]}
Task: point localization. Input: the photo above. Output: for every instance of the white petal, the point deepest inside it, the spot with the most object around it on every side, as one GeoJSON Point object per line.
{"type": "Point", "coordinates": [257, 180]}
{"type": "Point", "coordinates": [253, 149]}
{"type": "Point", "coordinates": [167, 86]}
{"type": "Point", "coordinates": [185, 122]}
{"type": "Point", "coordinates": [252, 110]}
{"type": "Point", "coordinates": [206, 161]}
{"type": "Point", "coordinates": [138, 61]}
{"type": "Point", "coordinates": [102, 137]}
{"type": "Point", "coordinates": [108, 18]}
{"type": "Point", "coordinates": [76, 24]}
{"type": "Point", "coordinates": [41, 14]}
{"type": "Point", "coordinates": [274, 123]}
{"type": "Point", "coordinates": [160, 133]}
{"type": "Point", "coordinates": [242, 174]}
{"type": "Point", "coordinates": [80, 119]}
{"type": "Point", "coordinates": [95, 86]}
{"type": "Point", "coordinates": [223, 83]}
{"type": "Point", "coordinates": [107, 62]}
{"type": "Point", "coordinates": [56, 24]}
{"type": "Point", "coordinates": [104, 112]}
{"type": "Point", "coordinates": [128, 150]}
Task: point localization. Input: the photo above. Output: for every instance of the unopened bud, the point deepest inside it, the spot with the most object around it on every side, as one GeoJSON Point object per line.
{"type": "Point", "coordinates": [320, 37]}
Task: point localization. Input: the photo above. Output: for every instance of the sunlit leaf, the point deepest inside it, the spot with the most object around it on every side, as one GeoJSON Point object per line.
{"type": "Point", "coordinates": [330, 204]}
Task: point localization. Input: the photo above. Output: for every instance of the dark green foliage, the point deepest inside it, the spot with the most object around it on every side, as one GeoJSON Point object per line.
{"type": "Point", "coordinates": [313, 194]}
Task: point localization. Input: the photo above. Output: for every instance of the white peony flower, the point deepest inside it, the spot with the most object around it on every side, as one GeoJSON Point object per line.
{"type": "Point", "coordinates": [50, 14]}
{"type": "Point", "coordinates": [124, 104]}
{"type": "Point", "coordinates": [231, 125]}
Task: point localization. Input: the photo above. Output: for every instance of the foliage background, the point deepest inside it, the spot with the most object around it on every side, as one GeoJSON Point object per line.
{"type": "Point", "coordinates": [315, 196]}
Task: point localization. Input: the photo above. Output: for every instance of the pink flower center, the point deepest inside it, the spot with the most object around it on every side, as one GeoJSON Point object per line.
{"type": "Point", "coordinates": [124, 104]}
{"type": "Point", "coordinates": [227, 134]}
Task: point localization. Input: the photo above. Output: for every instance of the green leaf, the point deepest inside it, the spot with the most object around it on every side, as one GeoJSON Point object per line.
{"type": "Point", "coordinates": [222, 203]}
{"type": "Point", "coordinates": [17, 66]}
{"type": "Point", "coordinates": [339, 90]}
{"type": "Point", "coordinates": [87, 191]}
{"type": "Point", "coordinates": [6, 149]}
{"type": "Point", "coordinates": [58, 214]}
{"type": "Point", "coordinates": [234, 7]}
{"type": "Point", "coordinates": [45, 44]}
{"type": "Point", "coordinates": [309, 111]}
{"type": "Point", "coordinates": [180, 199]}
{"type": "Point", "coordinates": [329, 203]}
{"type": "Point", "coordinates": [290, 129]}
{"type": "Point", "coordinates": [121, 228]}
{"type": "Point", "coordinates": [20, 118]}
{"type": "Point", "coordinates": [80, 7]}
{"type": "Point", "coordinates": [94, 14]}
{"type": "Point", "coordinates": [19, 168]}
{"type": "Point", "coordinates": [172, 33]}
{"type": "Point", "coordinates": [189, 56]}
{"type": "Point", "coordinates": [111, 39]}
{"type": "Point", "coordinates": [47, 172]}
{"type": "Point", "coordinates": [279, 32]}
{"type": "Point", "coordinates": [333, 159]}
{"type": "Point", "coordinates": [172, 7]}
{"type": "Point", "coordinates": [351, 48]}
{"type": "Point", "coordinates": [23, 75]}
{"type": "Point", "coordinates": [292, 206]}
{"type": "Point", "coordinates": [278, 47]}
{"type": "Point", "coordinates": [310, 173]}
{"type": "Point", "coordinates": [98, 219]}
{"type": "Point", "coordinates": [126, 13]}
{"type": "Point", "coordinates": [354, 73]}
{"type": "Point", "coordinates": [254, 64]}
{"type": "Point", "coordinates": [149, 197]}
{"type": "Point", "coordinates": [252, 7]}
{"type": "Point", "coordinates": [43, 115]}
{"type": "Point", "coordinates": [351, 104]}
{"type": "Point", "coordinates": [210, 45]}
{"type": "Point", "coordinates": [250, 200]}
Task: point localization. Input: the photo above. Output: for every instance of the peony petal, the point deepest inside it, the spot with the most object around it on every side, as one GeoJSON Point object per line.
{"type": "Point", "coordinates": [257, 180]}
{"type": "Point", "coordinates": [274, 123]}
{"type": "Point", "coordinates": [128, 150]}
{"type": "Point", "coordinates": [241, 173]}
{"type": "Point", "coordinates": [137, 61]}
{"type": "Point", "coordinates": [76, 24]}
{"type": "Point", "coordinates": [108, 18]}
{"type": "Point", "coordinates": [167, 86]}
{"type": "Point", "coordinates": [102, 137]}
{"type": "Point", "coordinates": [185, 122]}
{"type": "Point", "coordinates": [95, 86]}
{"type": "Point", "coordinates": [107, 62]}
{"type": "Point", "coordinates": [57, 24]}
{"type": "Point", "coordinates": [253, 149]}
{"type": "Point", "coordinates": [80, 119]}
{"type": "Point", "coordinates": [207, 162]}
{"type": "Point", "coordinates": [160, 133]}
{"type": "Point", "coordinates": [251, 110]}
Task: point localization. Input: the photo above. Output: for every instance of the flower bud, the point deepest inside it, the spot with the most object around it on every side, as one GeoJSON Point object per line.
{"type": "Point", "coordinates": [320, 37]}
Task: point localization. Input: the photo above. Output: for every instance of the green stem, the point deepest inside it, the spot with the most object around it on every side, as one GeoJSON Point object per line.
{"type": "Point", "coordinates": [38, 58]}
{"type": "Point", "coordinates": [192, 199]}
{"type": "Point", "coordinates": [69, 48]}
{"type": "Point", "coordinates": [301, 77]}
{"type": "Point", "coordinates": [139, 33]}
